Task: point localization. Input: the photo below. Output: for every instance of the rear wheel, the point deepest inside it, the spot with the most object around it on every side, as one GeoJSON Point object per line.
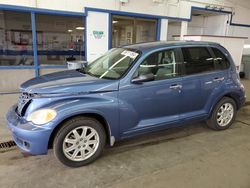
{"type": "Point", "coordinates": [79, 142]}
{"type": "Point", "coordinates": [223, 114]}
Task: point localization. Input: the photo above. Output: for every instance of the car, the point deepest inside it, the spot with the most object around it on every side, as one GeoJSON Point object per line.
{"type": "Point", "coordinates": [128, 91]}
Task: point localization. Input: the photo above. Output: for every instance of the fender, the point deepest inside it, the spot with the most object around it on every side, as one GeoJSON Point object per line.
{"type": "Point", "coordinates": [104, 105]}
{"type": "Point", "coordinates": [219, 93]}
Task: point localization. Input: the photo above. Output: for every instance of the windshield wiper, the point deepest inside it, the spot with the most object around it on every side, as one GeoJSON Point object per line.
{"type": "Point", "coordinates": [82, 70]}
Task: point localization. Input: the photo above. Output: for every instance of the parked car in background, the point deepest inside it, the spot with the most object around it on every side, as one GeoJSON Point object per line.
{"type": "Point", "coordinates": [128, 91]}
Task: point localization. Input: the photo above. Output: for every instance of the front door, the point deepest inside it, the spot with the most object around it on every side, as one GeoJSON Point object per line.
{"type": "Point", "coordinates": [153, 104]}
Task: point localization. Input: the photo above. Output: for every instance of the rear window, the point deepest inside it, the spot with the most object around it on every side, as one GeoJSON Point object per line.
{"type": "Point", "coordinates": [221, 62]}
{"type": "Point", "coordinates": [197, 60]}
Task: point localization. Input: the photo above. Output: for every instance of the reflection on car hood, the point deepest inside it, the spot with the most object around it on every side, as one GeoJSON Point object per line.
{"type": "Point", "coordinates": [68, 82]}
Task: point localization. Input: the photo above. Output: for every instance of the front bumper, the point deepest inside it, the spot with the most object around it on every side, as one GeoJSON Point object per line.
{"type": "Point", "coordinates": [30, 138]}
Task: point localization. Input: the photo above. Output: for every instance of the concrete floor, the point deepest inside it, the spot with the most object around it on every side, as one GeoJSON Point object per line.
{"type": "Point", "coordinates": [192, 156]}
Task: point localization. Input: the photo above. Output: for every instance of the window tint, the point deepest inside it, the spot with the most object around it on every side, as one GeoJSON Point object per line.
{"type": "Point", "coordinates": [221, 62]}
{"type": "Point", "coordinates": [163, 64]}
{"type": "Point", "coordinates": [197, 60]}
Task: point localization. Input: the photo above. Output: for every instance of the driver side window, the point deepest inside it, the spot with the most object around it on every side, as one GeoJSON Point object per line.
{"type": "Point", "coordinates": [163, 65]}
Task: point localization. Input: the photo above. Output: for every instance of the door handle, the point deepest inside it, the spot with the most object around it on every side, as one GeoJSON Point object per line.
{"type": "Point", "coordinates": [219, 79]}
{"type": "Point", "coordinates": [208, 82]}
{"type": "Point", "coordinates": [175, 86]}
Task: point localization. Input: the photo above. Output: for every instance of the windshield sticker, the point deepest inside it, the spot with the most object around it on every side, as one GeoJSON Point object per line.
{"type": "Point", "coordinates": [130, 54]}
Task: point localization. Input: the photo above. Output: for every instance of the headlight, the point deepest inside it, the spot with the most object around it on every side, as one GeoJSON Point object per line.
{"type": "Point", "coordinates": [43, 116]}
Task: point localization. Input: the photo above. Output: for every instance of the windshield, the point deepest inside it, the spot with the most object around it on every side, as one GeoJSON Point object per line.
{"type": "Point", "coordinates": [112, 65]}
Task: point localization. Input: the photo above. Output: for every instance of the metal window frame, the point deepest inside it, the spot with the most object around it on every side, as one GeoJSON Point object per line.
{"type": "Point", "coordinates": [134, 26]}
{"type": "Point", "coordinates": [33, 12]}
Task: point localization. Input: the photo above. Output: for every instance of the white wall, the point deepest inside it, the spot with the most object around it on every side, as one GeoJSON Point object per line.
{"type": "Point", "coordinates": [240, 31]}
{"type": "Point", "coordinates": [174, 28]}
{"type": "Point", "coordinates": [196, 26]}
{"type": "Point", "coordinates": [167, 8]}
{"type": "Point", "coordinates": [164, 29]}
{"type": "Point", "coordinates": [215, 25]}
{"type": "Point", "coordinates": [97, 46]}
{"type": "Point", "coordinates": [208, 25]}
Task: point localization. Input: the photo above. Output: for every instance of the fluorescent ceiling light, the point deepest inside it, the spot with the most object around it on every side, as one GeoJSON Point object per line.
{"type": "Point", "coordinates": [70, 30]}
{"type": "Point", "coordinates": [247, 46]}
{"type": "Point", "coordinates": [114, 21]}
{"type": "Point", "coordinates": [80, 28]}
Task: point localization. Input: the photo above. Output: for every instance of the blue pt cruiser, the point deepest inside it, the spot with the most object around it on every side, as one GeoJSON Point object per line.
{"type": "Point", "coordinates": [128, 91]}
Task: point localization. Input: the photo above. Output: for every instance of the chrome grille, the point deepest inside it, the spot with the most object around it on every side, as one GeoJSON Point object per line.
{"type": "Point", "coordinates": [23, 100]}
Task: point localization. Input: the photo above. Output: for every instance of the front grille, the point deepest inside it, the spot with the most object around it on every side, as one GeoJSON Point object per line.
{"type": "Point", "coordinates": [23, 102]}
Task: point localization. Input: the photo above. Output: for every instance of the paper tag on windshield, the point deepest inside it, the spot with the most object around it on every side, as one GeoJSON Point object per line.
{"type": "Point", "coordinates": [130, 54]}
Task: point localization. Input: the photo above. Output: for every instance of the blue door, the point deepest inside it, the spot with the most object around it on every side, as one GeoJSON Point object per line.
{"type": "Point", "coordinates": [153, 104]}
{"type": "Point", "coordinates": [198, 82]}
{"type": "Point", "coordinates": [212, 83]}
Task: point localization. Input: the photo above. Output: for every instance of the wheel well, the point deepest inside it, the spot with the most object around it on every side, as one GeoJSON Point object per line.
{"type": "Point", "coordinates": [91, 115]}
{"type": "Point", "coordinates": [235, 97]}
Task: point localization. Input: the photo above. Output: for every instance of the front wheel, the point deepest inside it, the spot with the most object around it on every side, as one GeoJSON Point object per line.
{"type": "Point", "coordinates": [79, 142]}
{"type": "Point", "coordinates": [223, 114]}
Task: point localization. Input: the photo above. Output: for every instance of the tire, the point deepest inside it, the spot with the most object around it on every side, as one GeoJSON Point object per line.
{"type": "Point", "coordinates": [216, 121]}
{"type": "Point", "coordinates": [71, 145]}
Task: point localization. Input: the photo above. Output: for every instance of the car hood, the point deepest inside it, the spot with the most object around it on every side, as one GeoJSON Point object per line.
{"type": "Point", "coordinates": [68, 82]}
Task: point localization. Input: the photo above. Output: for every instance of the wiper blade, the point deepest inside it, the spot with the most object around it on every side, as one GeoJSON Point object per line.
{"type": "Point", "coordinates": [82, 70]}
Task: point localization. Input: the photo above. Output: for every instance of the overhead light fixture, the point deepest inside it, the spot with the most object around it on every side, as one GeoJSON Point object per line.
{"type": "Point", "coordinates": [80, 28]}
{"type": "Point", "coordinates": [158, 1]}
{"type": "Point", "coordinates": [246, 46]}
{"type": "Point", "coordinates": [124, 1]}
{"type": "Point", "coordinates": [211, 7]}
{"type": "Point", "coordinates": [114, 21]}
{"type": "Point", "coordinates": [70, 30]}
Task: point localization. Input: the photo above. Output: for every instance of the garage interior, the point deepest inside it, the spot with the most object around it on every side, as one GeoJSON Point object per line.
{"type": "Point", "coordinates": [188, 156]}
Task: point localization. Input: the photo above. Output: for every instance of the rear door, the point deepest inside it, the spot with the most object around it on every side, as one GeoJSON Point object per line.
{"type": "Point", "coordinates": [211, 82]}
{"type": "Point", "coordinates": [198, 69]}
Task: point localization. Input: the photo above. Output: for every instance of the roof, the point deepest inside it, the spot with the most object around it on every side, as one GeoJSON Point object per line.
{"type": "Point", "coordinates": [149, 46]}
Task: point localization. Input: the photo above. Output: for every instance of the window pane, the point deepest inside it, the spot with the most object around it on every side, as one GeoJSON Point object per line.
{"type": "Point", "coordinates": [129, 30]}
{"type": "Point", "coordinates": [16, 46]}
{"type": "Point", "coordinates": [163, 64]}
{"type": "Point", "coordinates": [122, 30]}
{"type": "Point", "coordinates": [145, 30]}
{"type": "Point", "coordinates": [221, 62]}
{"type": "Point", "coordinates": [197, 60]}
{"type": "Point", "coordinates": [59, 38]}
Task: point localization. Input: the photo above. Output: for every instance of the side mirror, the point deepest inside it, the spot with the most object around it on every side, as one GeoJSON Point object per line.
{"type": "Point", "coordinates": [143, 78]}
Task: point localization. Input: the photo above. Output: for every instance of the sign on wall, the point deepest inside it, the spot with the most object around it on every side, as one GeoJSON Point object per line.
{"type": "Point", "coordinates": [98, 34]}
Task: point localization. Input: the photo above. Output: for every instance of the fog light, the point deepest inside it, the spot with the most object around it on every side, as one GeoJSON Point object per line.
{"type": "Point", "coordinates": [26, 144]}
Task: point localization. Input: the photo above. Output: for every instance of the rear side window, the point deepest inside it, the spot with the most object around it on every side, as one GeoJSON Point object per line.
{"type": "Point", "coordinates": [220, 61]}
{"type": "Point", "coordinates": [197, 60]}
